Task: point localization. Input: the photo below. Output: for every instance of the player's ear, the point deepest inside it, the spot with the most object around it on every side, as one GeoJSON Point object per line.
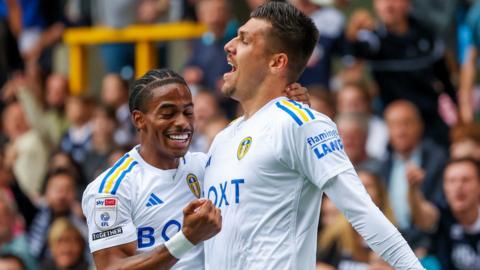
{"type": "Point", "coordinates": [278, 63]}
{"type": "Point", "coordinates": [138, 119]}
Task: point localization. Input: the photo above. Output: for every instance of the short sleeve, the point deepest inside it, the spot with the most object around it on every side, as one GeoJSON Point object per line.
{"type": "Point", "coordinates": [109, 216]}
{"type": "Point", "coordinates": [314, 149]}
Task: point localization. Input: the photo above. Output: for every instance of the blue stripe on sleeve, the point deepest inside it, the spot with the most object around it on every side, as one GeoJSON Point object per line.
{"type": "Point", "coordinates": [292, 114]}
{"type": "Point", "coordinates": [119, 162]}
{"type": "Point", "coordinates": [117, 184]}
{"type": "Point", "coordinates": [309, 112]}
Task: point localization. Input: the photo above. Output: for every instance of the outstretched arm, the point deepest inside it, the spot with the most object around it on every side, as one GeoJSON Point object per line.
{"type": "Point", "coordinates": [349, 195]}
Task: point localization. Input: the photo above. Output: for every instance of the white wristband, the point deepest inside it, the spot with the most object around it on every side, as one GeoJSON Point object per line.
{"type": "Point", "coordinates": [178, 245]}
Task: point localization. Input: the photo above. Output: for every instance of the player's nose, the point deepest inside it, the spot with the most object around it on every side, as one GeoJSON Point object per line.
{"type": "Point", "coordinates": [183, 121]}
{"type": "Point", "coordinates": [229, 47]}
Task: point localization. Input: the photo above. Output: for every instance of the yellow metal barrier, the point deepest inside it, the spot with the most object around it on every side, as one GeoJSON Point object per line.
{"type": "Point", "coordinates": [142, 35]}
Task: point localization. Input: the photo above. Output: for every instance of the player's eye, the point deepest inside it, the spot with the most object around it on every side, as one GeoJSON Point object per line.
{"type": "Point", "coordinates": [166, 114]}
{"type": "Point", "coordinates": [189, 113]}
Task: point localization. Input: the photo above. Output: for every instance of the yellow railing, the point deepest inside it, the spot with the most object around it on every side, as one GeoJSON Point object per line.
{"type": "Point", "coordinates": [142, 35]}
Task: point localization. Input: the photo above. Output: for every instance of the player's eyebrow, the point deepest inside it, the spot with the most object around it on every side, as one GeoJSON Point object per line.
{"type": "Point", "coordinates": [165, 106]}
{"type": "Point", "coordinates": [242, 34]}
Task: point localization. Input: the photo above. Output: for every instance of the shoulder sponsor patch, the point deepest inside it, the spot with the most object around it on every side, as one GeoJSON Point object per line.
{"type": "Point", "coordinates": [107, 233]}
{"type": "Point", "coordinates": [325, 142]}
{"type": "Point", "coordinates": [105, 211]}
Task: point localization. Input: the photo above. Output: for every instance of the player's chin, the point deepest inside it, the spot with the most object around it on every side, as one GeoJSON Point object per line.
{"type": "Point", "coordinates": [228, 89]}
{"type": "Point", "coordinates": [178, 150]}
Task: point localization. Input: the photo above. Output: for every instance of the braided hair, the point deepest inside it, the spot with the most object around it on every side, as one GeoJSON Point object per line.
{"type": "Point", "coordinates": [141, 89]}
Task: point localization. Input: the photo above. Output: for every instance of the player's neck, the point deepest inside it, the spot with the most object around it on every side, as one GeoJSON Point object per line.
{"type": "Point", "coordinates": [263, 94]}
{"type": "Point", "coordinates": [155, 159]}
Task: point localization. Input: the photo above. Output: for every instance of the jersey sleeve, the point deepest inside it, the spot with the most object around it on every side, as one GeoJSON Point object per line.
{"type": "Point", "coordinates": [109, 211]}
{"type": "Point", "coordinates": [350, 197]}
{"type": "Point", "coordinates": [312, 147]}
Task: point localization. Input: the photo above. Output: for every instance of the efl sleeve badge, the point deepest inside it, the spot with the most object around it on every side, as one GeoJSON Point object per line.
{"type": "Point", "coordinates": [105, 212]}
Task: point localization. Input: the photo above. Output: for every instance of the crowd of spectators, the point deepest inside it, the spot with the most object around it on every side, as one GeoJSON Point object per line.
{"type": "Point", "coordinates": [398, 81]}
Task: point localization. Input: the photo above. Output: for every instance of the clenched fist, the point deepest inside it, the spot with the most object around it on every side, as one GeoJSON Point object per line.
{"type": "Point", "coordinates": [201, 220]}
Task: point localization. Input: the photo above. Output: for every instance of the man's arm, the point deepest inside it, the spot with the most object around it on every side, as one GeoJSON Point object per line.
{"type": "Point", "coordinates": [424, 214]}
{"type": "Point", "coordinates": [201, 221]}
{"type": "Point", "coordinates": [349, 195]}
{"type": "Point", "coordinates": [359, 36]}
{"type": "Point", "coordinates": [467, 79]}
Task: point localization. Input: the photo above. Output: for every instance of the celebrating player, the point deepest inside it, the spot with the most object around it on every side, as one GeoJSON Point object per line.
{"type": "Point", "coordinates": [267, 170]}
{"type": "Point", "coordinates": [135, 206]}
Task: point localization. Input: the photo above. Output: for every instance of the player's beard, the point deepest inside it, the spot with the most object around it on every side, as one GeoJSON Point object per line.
{"type": "Point", "coordinates": [228, 90]}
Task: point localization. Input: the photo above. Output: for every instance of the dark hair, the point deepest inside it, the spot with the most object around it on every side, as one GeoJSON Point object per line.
{"type": "Point", "coordinates": [11, 256]}
{"type": "Point", "coordinates": [141, 89]}
{"type": "Point", "coordinates": [292, 32]}
{"type": "Point", "coordinates": [62, 171]}
{"type": "Point", "coordinates": [470, 160]}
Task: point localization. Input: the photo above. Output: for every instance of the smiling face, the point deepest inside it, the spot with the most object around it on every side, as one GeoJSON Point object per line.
{"type": "Point", "coordinates": [166, 126]}
{"type": "Point", "coordinates": [248, 55]}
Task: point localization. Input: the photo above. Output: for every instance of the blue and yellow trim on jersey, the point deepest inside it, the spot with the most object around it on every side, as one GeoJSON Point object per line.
{"type": "Point", "coordinates": [295, 110]}
{"type": "Point", "coordinates": [116, 174]}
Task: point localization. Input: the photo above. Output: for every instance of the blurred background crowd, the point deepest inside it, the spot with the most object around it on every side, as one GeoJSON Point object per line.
{"type": "Point", "coordinates": [397, 76]}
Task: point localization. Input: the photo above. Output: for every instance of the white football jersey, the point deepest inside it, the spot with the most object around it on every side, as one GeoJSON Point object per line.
{"type": "Point", "coordinates": [134, 201]}
{"type": "Point", "coordinates": [266, 175]}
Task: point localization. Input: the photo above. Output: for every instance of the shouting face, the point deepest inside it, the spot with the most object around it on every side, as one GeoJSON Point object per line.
{"type": "Point", "coordinates": [248, 55]}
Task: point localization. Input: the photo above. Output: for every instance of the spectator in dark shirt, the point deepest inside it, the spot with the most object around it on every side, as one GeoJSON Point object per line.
{"type": "Point", "coordinates": [406, 59]}
{"type": "Point", "coordinates": [410, 157]}
{"type": "Point", "coordinates": [456, 225]}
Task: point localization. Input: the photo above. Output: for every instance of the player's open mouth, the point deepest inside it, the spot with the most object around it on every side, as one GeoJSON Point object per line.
{"type": "Point", "coordinates": [180, 137]}
{"type": "Point", "coordinates": [234, 68]}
